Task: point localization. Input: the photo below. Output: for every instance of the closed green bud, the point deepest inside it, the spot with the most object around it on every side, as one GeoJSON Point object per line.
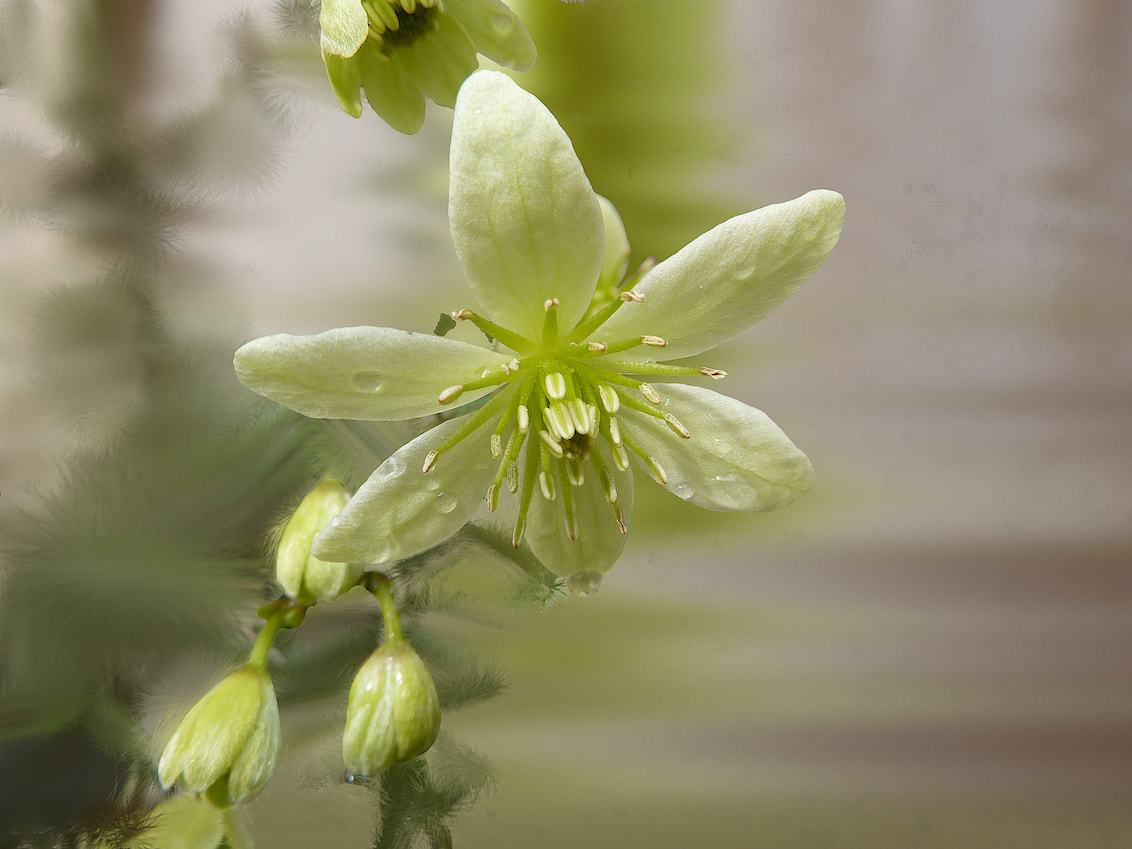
{"type": "Point", "coordinates": [300, 573]}
{"type": "Point", "coordinates": [393, 713]}
{"type": "Point", "coordinates": [225, 747]}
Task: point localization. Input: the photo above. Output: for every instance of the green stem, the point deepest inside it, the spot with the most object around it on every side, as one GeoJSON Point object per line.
{"type": "Point", "coordinates": [382, 588]}
{"type": "Point", "coordinates": [257, 659]}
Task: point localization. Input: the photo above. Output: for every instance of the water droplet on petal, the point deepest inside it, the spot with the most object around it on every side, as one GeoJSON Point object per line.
{"type": "Point", "coordinates": [367, 381]}
{"type": "Point", "coordinates": [682, 490]}
{"type": "Point", "coordinates": [445, 502]}
{"type": "Point", "coordinates": [744, 271]}
{"type": "Point", "coordinates": [349, 777]}
{"type": "Point", "coordinates": [584, 583]}
{"type": "Point", "coordinates": [727, 478]}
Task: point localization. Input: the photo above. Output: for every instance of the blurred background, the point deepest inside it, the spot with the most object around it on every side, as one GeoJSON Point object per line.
{"type": "Point", "coordinates": [932, 649]}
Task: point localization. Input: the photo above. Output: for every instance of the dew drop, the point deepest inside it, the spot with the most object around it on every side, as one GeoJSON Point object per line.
{"type": "Point", "coordinates": [584, 583]}
{"type": "Point", "coordinates": [682, 490]}
{"type": "Point", "coordinates": [367, 381]}
{"type": "Point", "coordinates": [743, 272]}
{"type": "Point", "coordinates": [349, 777]}
{"type": "Point", "coordinates": [445, 502]}
{"type": "Point", "coordinates": [503, 24]}
{"type": "Point", "coordinates": [727, 478]}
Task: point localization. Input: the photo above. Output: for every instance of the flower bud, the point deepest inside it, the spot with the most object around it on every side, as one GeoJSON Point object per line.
{"type": "Point", "coordinates": [300, 573]}
{"type": "Point", "coordinates": [225, 748]}
{"type": "Point", "coordinates": [393, 713]}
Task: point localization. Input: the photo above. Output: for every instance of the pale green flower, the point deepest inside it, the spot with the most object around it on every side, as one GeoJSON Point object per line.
{"type": "Point", "coordinates": [401, 51]}
{"type": "Point", "coordinates": [564, 421]}
{"type": "Point", "coordinates": [226, 746]}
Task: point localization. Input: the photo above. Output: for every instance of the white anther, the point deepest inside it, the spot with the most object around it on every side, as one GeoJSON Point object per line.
{"type": "Point", "coordinates": [546, 483]}
{"type": "Point", "coordinates": [561, 425]}
{"type": "Point", "coordinates": [620, 514]}
{"type": "Point", "coordinates": [523, 416]}
{"type": "Point", "coordinates": [650, 394]}
{"type": "Point", "coordinates": [387, 17]}
{"type": "Point", "coordinates": [429, 461]}
{"type": "Point", "coordinates": [579, 416]}
{"type": "Point", "coordinates": [714, 373]}
{"type": "Point", "coordinates": [513, 477]}
{"type": "Point", "coordinates": [654, 341]}
{"type": "Point", "coordinates": [609, 398]}
{"type": "Point", "coordinates": [610, 489]}
{"type": "Point", "coordinates": [555, 385]}
{"type": "Point", "coordinates": [551, 304]}
{"type": "Point", "coordinates": [575, 472]}
{"type": "Point", "coordinates": [511, 366]}
{"type": "Point", "coordinates": [621, 457]}
{"type": "Point", "coordinates": [496, 446]}
{"type": "Point", "coordinates": [571, 524]}
{"type": "Point", "coordinates": [614, 431]}
{"type": "Point", "coordinates": [677, 428]}
{"type": "Point", "coordinates": [655, 469]}
{"type": "Point", "coordinates": [552, 443]}
{"type": "Point", "coordinates": [632, 295]}
{"type": "Point", "coordinates": [462, 315]}
{"type": "Point", "coordinates": [493, 496]}
{"type": "Point", "coordinates": [450, 394]}
{"type": "Point", "coordinates": [599, 347]}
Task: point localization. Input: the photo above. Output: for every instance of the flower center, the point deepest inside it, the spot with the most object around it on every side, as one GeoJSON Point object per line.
{"type": "Point", "coordinates": [562, 403]}
{"type": "Point", "coordinates": [398, 23]}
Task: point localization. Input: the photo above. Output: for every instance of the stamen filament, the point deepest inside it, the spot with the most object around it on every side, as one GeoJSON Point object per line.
{"type": "Point", "coordinates": [473, 422]}
{"type": "Point", "coordinates": [605, 477]}
{"type": "Point", "coordinates": [529, 475]}
{"type": "Point", "coordinates": [635, 403]}
{"type": "Point", "coordinates": [649, 367]}
{"type": "Point", "coordinates": [508, 337]}
{"type": "Point", "coordinates": [550, 325]}
{"type": "Point", "coordinates": [600, 317]}
{"type": "Point", "coordinates": [652, 466]}
{"type": "Point", "coordinates": [571, 516]}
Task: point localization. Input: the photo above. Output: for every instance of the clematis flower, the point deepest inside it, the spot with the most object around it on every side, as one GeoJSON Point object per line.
{"type": "Point", "coordinates": [401, 51]}
{"type": "Point", "coordinates": [566, 413]}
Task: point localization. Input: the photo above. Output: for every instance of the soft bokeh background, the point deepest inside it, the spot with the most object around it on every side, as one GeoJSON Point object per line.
{"type": "Point", "coordinates": [932, 649]}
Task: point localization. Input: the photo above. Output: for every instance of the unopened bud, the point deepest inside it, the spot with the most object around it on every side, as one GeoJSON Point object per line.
{"type": "Point", "coordinates": [302, 575]}
{"type": "Point", "coordinates": [225, 747]}
{"type": "Point", "coordinates": [393, 713]}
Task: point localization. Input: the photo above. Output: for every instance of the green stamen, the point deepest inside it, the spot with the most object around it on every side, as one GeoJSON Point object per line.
{"type": "Point", "coordinates": [550, 325]}
{"type": "Point", "coordinates": [473, 422]}
{"type": "Point", "coordinates": [517, 343]}
{"type": "Point", "coordinates": [585, 328]}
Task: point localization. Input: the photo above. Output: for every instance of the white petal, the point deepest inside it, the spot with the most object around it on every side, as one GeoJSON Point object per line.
{"type": "Point", "coordinates": [525, 222]}
{"type": "Point", "coordinates": [736, 458]}
{"type": "Point", "coordinates": [495, 31]}
{"type": "Point", "coordinates": [730, 277]}
{"type": "Point", "coordinates": [369, 373]}
{"type": "Point", "coordinates": [344, 26]}
{"type": "Point", "coordinates": [616, 246]}
{"type": "Point", "coordinates": [400, 511]}
{"type": "Point", "coordinates": [600, 540]}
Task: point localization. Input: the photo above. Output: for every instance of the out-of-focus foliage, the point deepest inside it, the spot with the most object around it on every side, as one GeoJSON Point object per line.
{"type": "Point", "coordinates": [131, 569]}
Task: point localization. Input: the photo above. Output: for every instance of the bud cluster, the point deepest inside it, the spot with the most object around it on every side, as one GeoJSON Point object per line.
{"type": "Point", "coordinates": [226, 747]}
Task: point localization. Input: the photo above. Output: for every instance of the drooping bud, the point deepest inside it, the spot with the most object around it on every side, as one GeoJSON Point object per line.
{"type": "Point", "coordinates": [301, 574]}
{"type": "Point", "coordinates": [226, 746]}
{"type": "Point", "coordinates": [393, 713]}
